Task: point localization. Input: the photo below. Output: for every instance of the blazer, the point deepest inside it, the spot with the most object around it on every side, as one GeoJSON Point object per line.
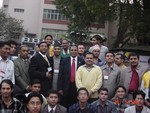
{"type": "Point", "coordinates": [59, 109]}
{"type": "Point", "coordinates": [126, 75]}
{"type": "Point", "coordinates": [65, 73]}
{"type": "Point", "coordinates": [132, 109]}
{"type": "Point", "coordinates": [38, 68]}
{"type": "Point", "coordinates": [21, 72]}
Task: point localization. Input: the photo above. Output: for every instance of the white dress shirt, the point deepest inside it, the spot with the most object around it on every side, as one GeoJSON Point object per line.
{"type": "Point", "coordinates": [7, 70]}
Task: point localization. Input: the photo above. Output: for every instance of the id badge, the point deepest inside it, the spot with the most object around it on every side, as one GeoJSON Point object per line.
{"type": "Point", "coordinates": [105, 77]}
{"type": "Point", "coordinates": [49, 69]}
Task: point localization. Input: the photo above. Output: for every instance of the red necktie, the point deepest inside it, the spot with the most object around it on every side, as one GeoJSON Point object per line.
{"type": "Point", "coordinates": [72, 79]}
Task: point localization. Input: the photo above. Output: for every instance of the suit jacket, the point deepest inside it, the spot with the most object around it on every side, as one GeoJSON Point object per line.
{"type": "Point", "coordinates": [126, 75]}
{"type": "Point", "coordinates": [132, 109]}
{"type": "Point", "coordinates": [21, 72]}
{"type": "Point", "coordinates": [65, 73]}
{"type": "Point", "coordinates": [59, 109]}
{"type": "Point", "coordinates": [38, 68]}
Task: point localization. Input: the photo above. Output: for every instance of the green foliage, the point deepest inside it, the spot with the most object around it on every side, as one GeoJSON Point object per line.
{"type": "Point", "coordinates": [133, 17]}
{"type": "Point", "coordinates": [10, 27]}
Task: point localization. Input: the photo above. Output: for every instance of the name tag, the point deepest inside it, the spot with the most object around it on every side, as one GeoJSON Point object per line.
{"type": "Point", "coordinates": [56, 70]}
{"type": "Point", "coordinates": [49, 69]}
{"type": "Point", "coordinates": [105, 77]}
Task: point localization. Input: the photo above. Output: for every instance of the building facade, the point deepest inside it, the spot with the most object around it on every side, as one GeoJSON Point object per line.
{"type": "Point", "coordinates": [40, 17]}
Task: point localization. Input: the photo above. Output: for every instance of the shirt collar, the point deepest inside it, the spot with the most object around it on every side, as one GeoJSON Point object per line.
{"type": "Point", "coordinates": [73, 58]}
{"type": "Point", "coordinates": [42, 54]}
{"type": "Point", "coordinates": [1, 59]}
{"type": "Point", "coordinates": [49, 108]}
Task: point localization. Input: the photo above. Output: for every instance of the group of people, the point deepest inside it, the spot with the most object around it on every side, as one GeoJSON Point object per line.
{"type": "Point", "coordinates": [61, 78]}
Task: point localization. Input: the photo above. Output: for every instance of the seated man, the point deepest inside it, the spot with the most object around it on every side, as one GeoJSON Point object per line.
{"type": "Point", "coordinates": [82, 106]}
{"type": "Point", "coordinates": [9, 104]}
{"type": "Point", "coordinates": [34, 103]}
{"type": "Point", "coordinates": [139, 97]}
{"type": "Point", "coordinates": [52, 106]}
{"type": "Point", "coordinates": [103, 105]}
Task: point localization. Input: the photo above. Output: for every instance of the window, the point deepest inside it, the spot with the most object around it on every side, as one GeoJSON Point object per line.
{"type": "Point", "coordinates": [52, 14]}
{"type": "Point", "coordinates": [18, 10]}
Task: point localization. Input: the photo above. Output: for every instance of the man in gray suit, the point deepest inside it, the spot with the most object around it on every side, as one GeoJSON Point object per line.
{"type": "Point", "coordinates": [111, 74]}
{"type": "Point", "coordinates": [52, 106]}
{"type": "Point", "coordinates": [21, 65]}
{"type": "Point", "coordinates": [132, 75]}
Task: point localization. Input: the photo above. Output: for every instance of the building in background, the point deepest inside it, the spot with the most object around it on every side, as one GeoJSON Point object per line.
{"type": "Point", "coordinates": [40, 17]}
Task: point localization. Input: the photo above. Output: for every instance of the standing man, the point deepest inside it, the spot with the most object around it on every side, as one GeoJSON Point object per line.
{"type": "Point", "coordinates": [119, 60]}
{"type": "Point", "coordinates": [9, 104]}
{"type": "Point", "coordinates": [13, 45]}
{"type": "Point", "coordinates": [97, 39]}
{"type": "Point", "coordinates": [6, 65]}
{"type": "Point", "coordinates": [65, 52]}
{"type": "Point", "coordinates": [81, 50]}
{"type": "Point", "coordinates": [139, 97]}
{"type": "Point", "coordinates": [96, 53]}
{"type": "Point", "coordinates": [56, 62]}
{"type": "Point", "coordinates": [21, 65]}
{"type": "Point", "coordinates": [52, 106]}
{"type": "Point", "coordinates": [49, 40]}
{"type": "Point", "coordinates": [41, 67]}
{"type": "Point", "coordinates": [90, 77]}
{"type": "Point", "coordinates": [66, 77]}
{"type": "Point", "coordinates": [132, 75]}
{"type": "Point", "coordinates": [103, 105]}
{"type": "Point", "coordinates": [111, 74]}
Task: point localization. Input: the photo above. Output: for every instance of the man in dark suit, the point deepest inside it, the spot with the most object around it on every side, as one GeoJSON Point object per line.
{"type": "Point", "coordinates": [66, 77]}
{"type": "Point", "coordinates": [21, 65]}
{"type": "Point", "coordinates": [41, 67]}
{"type": "Point", "coordinates": [52, 106]}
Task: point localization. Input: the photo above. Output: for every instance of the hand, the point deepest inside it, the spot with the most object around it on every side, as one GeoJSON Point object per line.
{"type": "Point", "coordinates": [60, 92]}
{"type": "Point", "coordinates": [49, 75]}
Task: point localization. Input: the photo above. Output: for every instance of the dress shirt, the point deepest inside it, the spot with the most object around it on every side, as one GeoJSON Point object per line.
{"type": "Point", "coordinates": [6, 70]}
{"type": "Point", "coordinates": [75, 60]}
{"type": "Point", "coordinates": [45, 57]}
{"type": "Point", "coordinates": [49, 109]}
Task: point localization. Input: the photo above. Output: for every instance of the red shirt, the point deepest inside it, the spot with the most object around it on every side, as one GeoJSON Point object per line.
{"type": "Point", "coordinates": [134, 83]}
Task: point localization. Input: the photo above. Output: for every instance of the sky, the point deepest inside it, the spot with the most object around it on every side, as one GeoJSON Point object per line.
{"type": "Point", "coordinates": [1, 3]}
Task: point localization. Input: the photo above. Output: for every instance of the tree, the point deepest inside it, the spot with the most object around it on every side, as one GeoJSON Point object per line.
{"type": "Point", "coordinates": [10, 27]}
{"type": "Point", "coordinates": [132, 15]}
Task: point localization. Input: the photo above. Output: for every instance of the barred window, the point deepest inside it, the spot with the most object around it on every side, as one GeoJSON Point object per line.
{"type": "Point", "coordinates": [52, 14]}
{"type": "Point", "coordinates": [18, 10]}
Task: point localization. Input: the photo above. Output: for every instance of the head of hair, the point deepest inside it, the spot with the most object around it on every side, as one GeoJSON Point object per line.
{"type": "Point", "coordinates": [110, 52]}
{"type": "Point", "coordinates": [22, 46]}
{"type": "Point", "coordinates": [52, 92]}
{"type": "Point", "coordinates": [133, 54]}
{"type": "Point", "coordinates": [82, 89]}
{"type": "Point", "coordinates": [89, 53]}
{"type": "Point", "coordinates": [149, 61]}
{"type": "Point", "coordinates": [41, 43]}
{"type": "Point", "coordinates": [103, 89]}
{"type": "Point", "coordinates": [98, 37]}
{"type": "Point", "coordinates": [48, 36]}
{"type": "Point", "coordinates": [73, 46]}
{"type": "Point", "coordinates": [35, 81]}
{"type": "Point", "coordinates": [12, 42]}
{"type": "Point", "coordinates": [139, 92]}
{"type": "Point", "coordinates": [34, 94]}
{"type": "Point", "coordinates": [120, 86]}
{"type": "Point", "coordinates": [7, 81]}
{"type": "Point", "coordinates": [121, 56]}
{"type": "Point", "coordinates": [2, 43]}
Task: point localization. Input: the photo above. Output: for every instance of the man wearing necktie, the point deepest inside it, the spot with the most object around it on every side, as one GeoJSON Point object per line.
{"type": "Point", "coordinates": [41, 67]}
{"type": "Point", "coordinates": [66, 77]}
